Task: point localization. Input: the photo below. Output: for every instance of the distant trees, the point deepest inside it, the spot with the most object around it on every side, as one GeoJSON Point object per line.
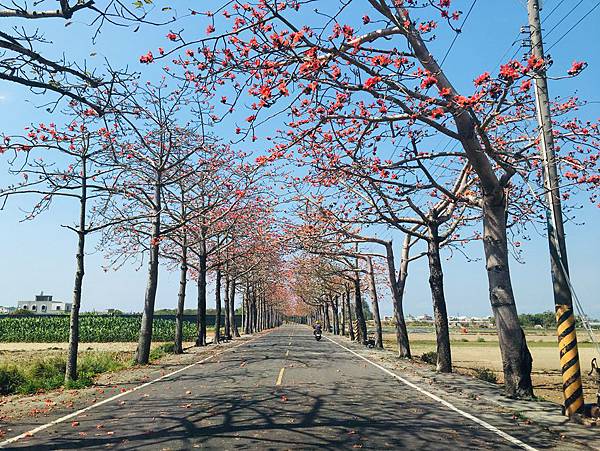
{"type": "Point", "coordinates": [545, 319]}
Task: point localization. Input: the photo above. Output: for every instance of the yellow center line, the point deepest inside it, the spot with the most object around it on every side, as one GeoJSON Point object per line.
{"type": "Point", "coordinates": [287, 352]}
{"type": "Point", "coordinates": [280, 377]}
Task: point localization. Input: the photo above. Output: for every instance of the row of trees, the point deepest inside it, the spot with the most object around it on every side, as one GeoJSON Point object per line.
{"type": "Point", "coordinates": [384, 137]}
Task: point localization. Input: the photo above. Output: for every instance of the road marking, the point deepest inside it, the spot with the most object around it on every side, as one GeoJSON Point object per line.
{"type": "Point", "coordinates": [106, 401]}
{"type": "Point", "coordinates": [287, 352]}
{"type": "Point", "coordinates": [290, 343]}
{"type": "Point", "coordinates": [280, 377]}
{"type": "Point", "coordinates": [504, 435]}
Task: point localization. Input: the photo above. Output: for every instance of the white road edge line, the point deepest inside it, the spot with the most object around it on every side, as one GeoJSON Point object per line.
{"type": "Point", "coordinates": [504, 435]}
{"type": "Point", "coordinates": [108, 400]}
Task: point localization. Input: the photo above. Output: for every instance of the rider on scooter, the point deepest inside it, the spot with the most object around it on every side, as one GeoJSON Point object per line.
{"type": "Point", "coordinates": [317, 330]}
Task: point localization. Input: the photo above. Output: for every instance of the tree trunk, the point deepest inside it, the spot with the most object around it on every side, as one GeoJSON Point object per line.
{"type": "Point", "coordinates": [360, 316]}
{"type": "Point", "coordinates": [247, 312]}
{"type": "Point", "coordinates": [71, 369]}
{"type": "Point", "coordinates": [145, 339]}
{"type": "Point", "coordinates": [326, 317]}
{"type": "Point", "coordinates": [343, 327]}
{"type": "Point", "coordinates": [349, 311]}
{"type": "Point", "coordinates": [375, 304]}
{"type": "Point", "coordinates": [226, 305]}
{"type": "Point", "coordinates": [217, 338]}
{"type": "Point", "coordinates": [234, 329]}
{"type": "Point", "coordinates": [397, 288]}
{"type": "Point", "coordinates": [335, 314]}
{"type": "Point", "coordinates": [201, 320]}
{"type": "Point", "coordinates": [253, 309]}
{"type": "Point", "coordinates": [436, 284]}
{"type": "Point", "coordinates": [181, 298]}
{"type": "Point", "coordinates": [516, 358]}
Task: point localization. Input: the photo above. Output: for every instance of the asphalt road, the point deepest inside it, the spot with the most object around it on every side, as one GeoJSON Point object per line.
{"type": "Point", "coordinates": [282, 390]}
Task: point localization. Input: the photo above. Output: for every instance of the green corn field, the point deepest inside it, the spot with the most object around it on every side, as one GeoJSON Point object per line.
{"type": "Point", "coordinates": [93, 328]}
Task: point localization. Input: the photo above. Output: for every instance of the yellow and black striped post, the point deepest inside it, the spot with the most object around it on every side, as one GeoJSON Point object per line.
{"type": "Point", "coordinates": [569, 360]}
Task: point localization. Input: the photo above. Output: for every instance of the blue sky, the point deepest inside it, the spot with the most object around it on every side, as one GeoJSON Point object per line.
{"type": "Point", "coordinates": [39, 255]}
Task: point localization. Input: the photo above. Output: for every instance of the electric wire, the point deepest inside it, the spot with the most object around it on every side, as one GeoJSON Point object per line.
{"type": "Point", "coordinates": [574, 25]}
{"type": "Point", "coordinates": [549, 32]}
{"type": "Point", "coordinates": [553, 10]}
{"type": "Point", "coordinates": [458, 33]}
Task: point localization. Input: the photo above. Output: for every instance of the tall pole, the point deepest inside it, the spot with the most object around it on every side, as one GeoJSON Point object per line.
{"type": "Point", "coordinates": [567, 338]}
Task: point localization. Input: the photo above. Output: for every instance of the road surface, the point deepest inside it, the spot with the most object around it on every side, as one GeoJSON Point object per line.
{"type": "Point", "coordinates": [284, 390]}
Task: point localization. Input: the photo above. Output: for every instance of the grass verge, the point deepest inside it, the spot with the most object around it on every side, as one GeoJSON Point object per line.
{"type": "Point", "coordinates": [42, 374]}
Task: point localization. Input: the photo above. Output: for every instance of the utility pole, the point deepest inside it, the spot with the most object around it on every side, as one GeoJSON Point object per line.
{"type": "Point", "coordinates": [565, 318]}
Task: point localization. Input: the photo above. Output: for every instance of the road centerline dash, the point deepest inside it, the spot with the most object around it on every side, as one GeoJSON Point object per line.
{"type": "Point", "coordinates": [280, 376]}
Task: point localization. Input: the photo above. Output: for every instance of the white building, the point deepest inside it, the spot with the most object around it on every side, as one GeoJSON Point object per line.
{"type": "Point", "coordinates": [43, 303]}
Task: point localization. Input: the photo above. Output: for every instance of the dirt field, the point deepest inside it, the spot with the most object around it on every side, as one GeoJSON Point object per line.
{"type": "Point", "coordinates": [480, 350]}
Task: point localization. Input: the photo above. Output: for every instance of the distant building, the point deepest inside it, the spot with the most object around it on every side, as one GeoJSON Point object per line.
{"type": "Point", "coordinates": [5, 310]}
{"type": "Point", "coordinates": [44, 303]}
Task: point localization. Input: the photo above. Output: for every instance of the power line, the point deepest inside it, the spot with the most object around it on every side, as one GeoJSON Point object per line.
{"type": "Point", "coordinates": [574, 26]}
{"type": "Point", "coordinates": [515, 40]}
{"type": "Point", "coordinates": [564, 17]}
{"type": "Point", "coordinates": [553, 10]}
{"type": "Point", "coordinates": [458, 33]}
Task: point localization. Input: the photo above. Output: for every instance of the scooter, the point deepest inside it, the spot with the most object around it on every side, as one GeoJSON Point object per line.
{"type": "Point", "coordinates": [317, 334]}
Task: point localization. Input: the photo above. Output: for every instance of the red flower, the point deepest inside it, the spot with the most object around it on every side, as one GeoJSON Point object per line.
{"type": "Point", "coordinates": [570, 175]}
{"type": "Point", "coordinates": [525, 85]}
{"type": "Point", "coordinates": [482, 79]}
{"type": "Point", "coordinates": [366, 19]}
{"type": "Point", "coordinates": [265, 92]}
{"type": "Point", "coordinates": [210, 29]}
{"type": "Point", "coordinates": [511, 71]}
{"type": "Point", "coordinates": [370, 82]}
{"type": "Point", "coordinates": [147, 58]}
{"type": "Point", "coordinates": [428, 81]}
{"type": "Point", "coordinates": [445, 92]}
{"type": "Point", "coordinates": [283, 89]}
{"type": "Point", "coordinates": [576, 67]}
{"type": "Point", "coordinates": [172, 36]}
{"type": "Point", "coordinates": [534, 63]}
{"type": "Point", "coordinates": [436, 113]}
